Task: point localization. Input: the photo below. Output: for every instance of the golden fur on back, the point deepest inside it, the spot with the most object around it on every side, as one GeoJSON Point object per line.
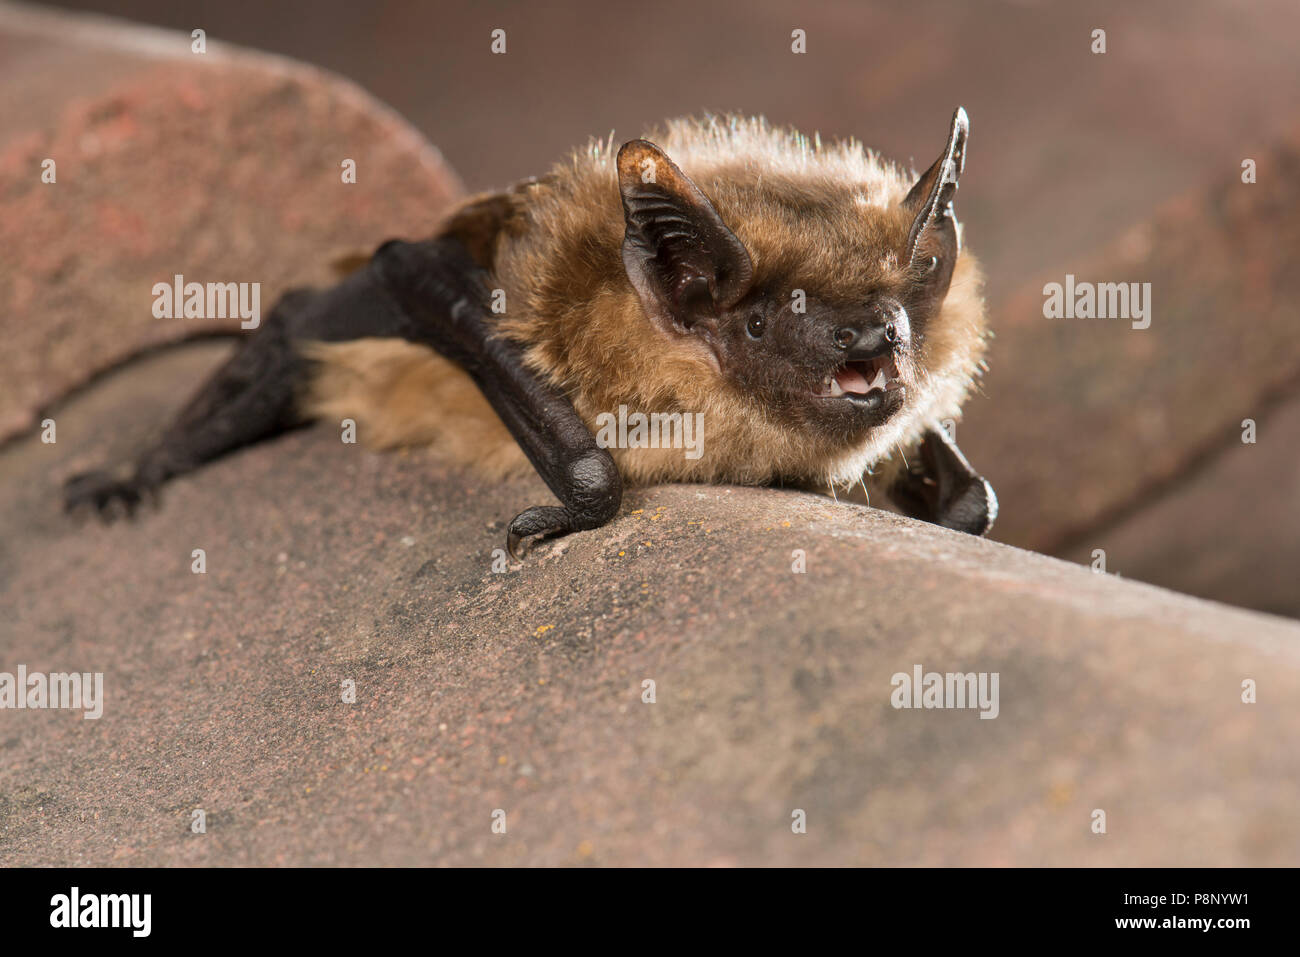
{"type": "Point", "coordinates": [821, 217]}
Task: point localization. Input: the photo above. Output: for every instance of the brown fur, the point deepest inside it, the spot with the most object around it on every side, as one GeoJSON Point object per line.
{"type": "Point", "coordinates": [823, 218]}
{"type": "Point", "coordinates": [401, 394]}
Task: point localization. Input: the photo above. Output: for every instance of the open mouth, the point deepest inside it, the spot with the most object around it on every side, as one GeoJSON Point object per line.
{"type": "Point", "coordinates": [862, 377]}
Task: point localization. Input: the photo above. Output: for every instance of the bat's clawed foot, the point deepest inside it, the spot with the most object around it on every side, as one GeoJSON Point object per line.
{"type": "Point", "coordinates": [108, 495]}
{"type": "Point", "coordinates": [540, 522]}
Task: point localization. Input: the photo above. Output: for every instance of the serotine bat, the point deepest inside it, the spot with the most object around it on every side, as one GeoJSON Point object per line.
{"type": "Point", "coordinates": [810, 300]}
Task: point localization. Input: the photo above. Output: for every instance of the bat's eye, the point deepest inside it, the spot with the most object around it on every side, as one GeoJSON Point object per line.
{"type": "Point", "coordinates": [755, 326]}
{"type": "Point", "coordinates": [931, 265]}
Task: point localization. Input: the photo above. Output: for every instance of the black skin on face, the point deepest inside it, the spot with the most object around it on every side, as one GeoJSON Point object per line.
{"type": "Point", "coordinates": [781, 358]}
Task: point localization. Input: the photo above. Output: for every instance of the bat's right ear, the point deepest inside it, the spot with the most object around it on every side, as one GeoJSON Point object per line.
{"type": "Point", "coordinates": [930, 200]}
{"type": "Point", "coordinates": [683, 261]}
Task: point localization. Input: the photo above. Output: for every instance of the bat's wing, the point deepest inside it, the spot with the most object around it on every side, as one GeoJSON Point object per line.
{"type": "Point", "coordinates": [942, 488]}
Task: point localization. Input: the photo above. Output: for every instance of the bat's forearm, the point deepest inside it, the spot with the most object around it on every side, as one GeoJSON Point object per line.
{"type": "Point", "coordinates": [440, 290]}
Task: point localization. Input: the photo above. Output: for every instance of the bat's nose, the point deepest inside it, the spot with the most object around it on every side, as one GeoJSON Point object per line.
{"type": "Point", "coordinates": [883, 328]}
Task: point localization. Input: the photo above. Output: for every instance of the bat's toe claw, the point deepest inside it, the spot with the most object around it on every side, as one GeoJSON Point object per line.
{"type": "Point", "coordinates": [103, 492]}
{"type": "Point", "coordinates": [541, 522]}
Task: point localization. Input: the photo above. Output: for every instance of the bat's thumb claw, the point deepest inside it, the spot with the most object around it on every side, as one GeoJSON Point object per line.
{"type": "Point", "coordinates": [513, 539]}
{"type": "Point", "coordinates": [543, 521]}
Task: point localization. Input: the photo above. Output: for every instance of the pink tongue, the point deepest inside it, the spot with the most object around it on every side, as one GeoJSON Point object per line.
{"type": "Point", "coordinates": [851, 380]}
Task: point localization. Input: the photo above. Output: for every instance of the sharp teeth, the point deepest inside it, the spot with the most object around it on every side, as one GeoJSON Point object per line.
{"type": "Point", "coordinates": [878, 382]}
{"type": "Point", "coordinates": [836, 390]}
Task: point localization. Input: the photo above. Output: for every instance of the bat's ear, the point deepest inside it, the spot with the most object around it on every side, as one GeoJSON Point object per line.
{"type": "Point", "coordinates": [683, 261]}
{"type": "Point", "coordinates": [934, 230]}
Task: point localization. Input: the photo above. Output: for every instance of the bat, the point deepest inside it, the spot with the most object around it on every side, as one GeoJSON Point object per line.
{"type": "Point", "coordinates": [808, 306]}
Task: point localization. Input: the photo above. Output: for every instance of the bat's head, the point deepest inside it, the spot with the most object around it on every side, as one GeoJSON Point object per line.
{"type": "Point", "coordinates": [831, 330]}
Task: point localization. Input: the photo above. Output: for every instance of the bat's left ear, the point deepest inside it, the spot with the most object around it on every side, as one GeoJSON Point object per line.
{"type": "Point", "coordinates": [934, 229]}
{"type": "Point", "coordinates": [683, 261]}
